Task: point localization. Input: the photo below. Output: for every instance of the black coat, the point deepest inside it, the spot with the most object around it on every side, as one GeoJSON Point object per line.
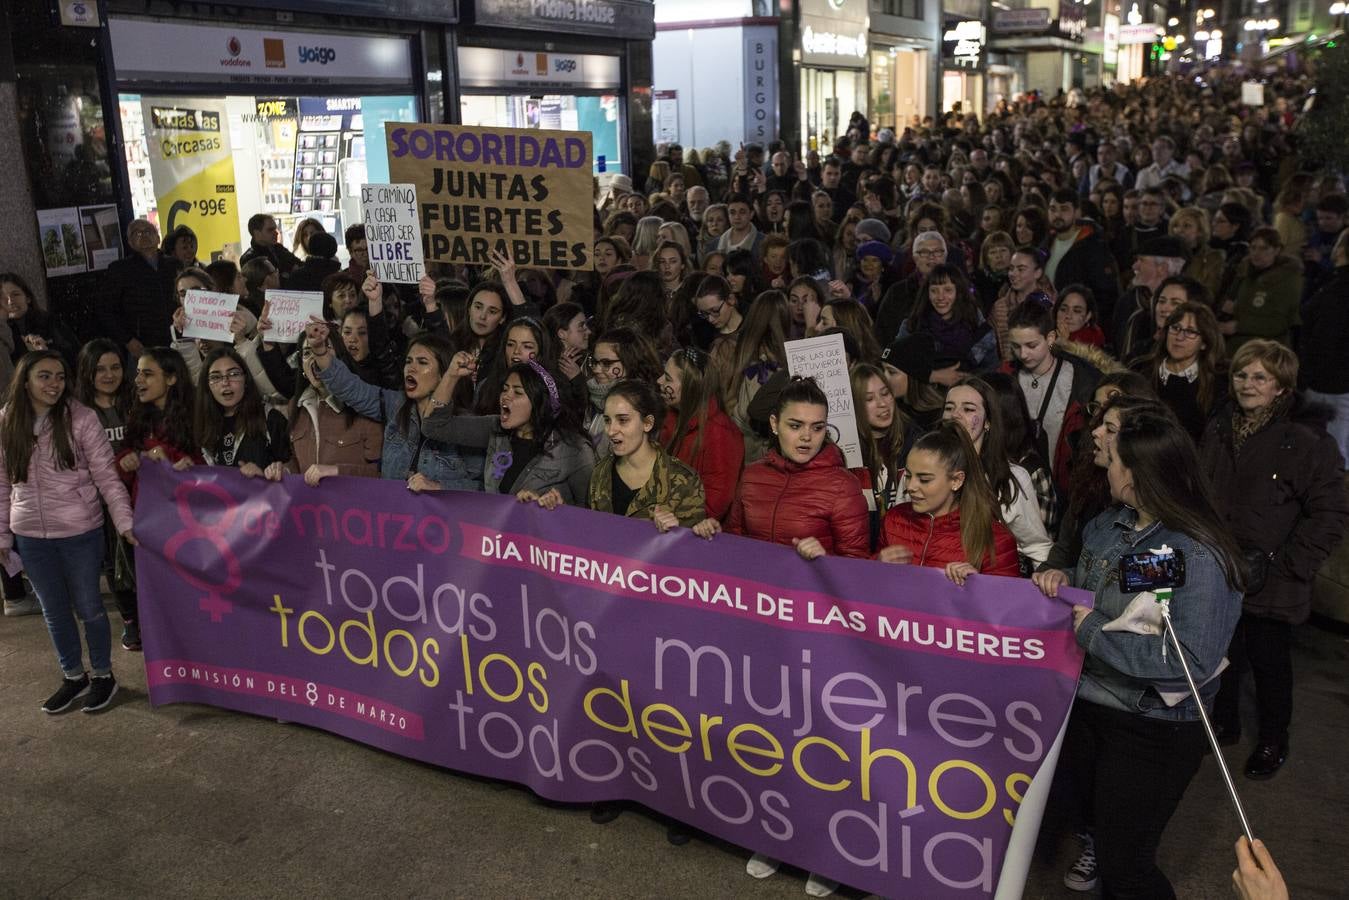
{"type": "Point", "coordinates": [309, 275]}
{"type": "Point", "coordinates": [1325, 337]}
{"type": "Point", "coordinates": [283, 259]}
{"type": "Point", "coordinates": [138, 301]}
{"type": "Point", "coordinates": [1090, 262]}
{"type": "Point", "coordinates": [1283, 494]}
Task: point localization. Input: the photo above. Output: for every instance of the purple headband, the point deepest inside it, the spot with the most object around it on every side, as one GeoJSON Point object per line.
{"type": "Point", "coordinates": [554, 402]}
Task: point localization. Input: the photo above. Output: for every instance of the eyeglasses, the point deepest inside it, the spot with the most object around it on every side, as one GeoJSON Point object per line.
{"type": "Point", "coordinates": [930, 253]}
{"type": "Point", "coordinates": [707, 314]}
{"type": "Point", "coordinates": [1181, 331]}
{"type": "Point", "coordinates": [1259, 379]}
{"type": "Point", "coordinates": [595, 362]}
{"type": "Point", "coordinates": [1096, 407]}
{"type": "Point", "coordinates": [228, 375]}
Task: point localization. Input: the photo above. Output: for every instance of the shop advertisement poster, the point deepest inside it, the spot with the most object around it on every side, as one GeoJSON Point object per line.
{"type": "Point", "coordinates": [192, 165]}
{"type": "Point", "coordinates": [874, 723]}
{"type": "Point", "coordinates": [525, 193]}
{"type": "Point", "coordinates": [62, 242]}
{"type": "Point", "coordinates": [290, 312]}
{"type": "Point", "coordinates": [392, 232]}
{"type": "Point", "coordinates": [209, 315]}
{"type": "Point", "coordinates": [824, 359]}
{"type": "Point", "coordinates": [102, 235]}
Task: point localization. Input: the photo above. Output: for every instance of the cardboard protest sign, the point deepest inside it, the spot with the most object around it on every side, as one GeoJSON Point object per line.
{"type": "Point", "coordinates": [527, 194]}
{"type": "Point", "coordinates": [823, 359]}
{"type": "Point", "coordinates": [392, 233]}
{"type": "Point", "coordinates": [209, 315]}
{"type": "Point", "coordinates": [290, 311]}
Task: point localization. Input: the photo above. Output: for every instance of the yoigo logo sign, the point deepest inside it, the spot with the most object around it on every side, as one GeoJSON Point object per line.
{"type": "Point", "coordinates": [320, 55]}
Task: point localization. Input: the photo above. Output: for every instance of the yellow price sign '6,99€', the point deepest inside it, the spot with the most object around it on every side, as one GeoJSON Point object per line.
{"type": "Point", "coordinates": [192, 165]}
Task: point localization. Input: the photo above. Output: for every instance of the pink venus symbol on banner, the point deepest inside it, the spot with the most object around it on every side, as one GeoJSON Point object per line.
{"type": "Point", "coordinates": [214, 533]}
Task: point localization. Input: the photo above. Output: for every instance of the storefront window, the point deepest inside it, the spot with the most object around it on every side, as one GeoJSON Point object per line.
{"type": "Point", "coordinates": [600, 115]}
{"type": "Point", "coordinates": [828, 100]}
{"type": "Point", "coordinates": [62, 119]}
{"type": "Point", "coordinates": [898, 86]}
{"type": "Point", "coordinates": [212, 162]}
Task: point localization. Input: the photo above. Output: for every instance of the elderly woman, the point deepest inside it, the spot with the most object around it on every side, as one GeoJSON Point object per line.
{"type": "Point", "coordinates": [1278, 484]}
{"type": "Point", "coordinates": [1264, 298]}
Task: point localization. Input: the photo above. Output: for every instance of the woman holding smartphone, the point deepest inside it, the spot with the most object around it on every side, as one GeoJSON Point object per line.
{"type": "Point", "coordinates": [1134, 722]}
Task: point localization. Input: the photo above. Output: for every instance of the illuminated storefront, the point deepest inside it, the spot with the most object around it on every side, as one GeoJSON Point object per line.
{"type": "Point", "coordinates": [219, 122]}
{"type": "Point", "coordinates": [834, 48]}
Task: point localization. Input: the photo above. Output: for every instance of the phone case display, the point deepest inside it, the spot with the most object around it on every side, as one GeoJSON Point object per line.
{"type": "Point", "coordinates": [327, 128]}
{"type": "Point", "coordinates": [312, 179]}
{"type": "Point", "coordinates": [137, 155]}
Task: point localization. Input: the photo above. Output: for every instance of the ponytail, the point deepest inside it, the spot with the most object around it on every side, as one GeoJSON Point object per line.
{"type": "Point", "coordinates": [978, 507]}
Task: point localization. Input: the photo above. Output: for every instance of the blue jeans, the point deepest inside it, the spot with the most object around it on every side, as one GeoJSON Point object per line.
{"type": "Point", "coordinates": [64, 573]}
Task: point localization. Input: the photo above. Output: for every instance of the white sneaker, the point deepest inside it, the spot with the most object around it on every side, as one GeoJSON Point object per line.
{"type": "Point", "coordinates": [819, 886]}
{"type": "Point", "coordinates": [760, 866]}
{"type": "Point", "coordinates": [1082, 876]}
{"type": "Point", "coordinates": [28, 606]}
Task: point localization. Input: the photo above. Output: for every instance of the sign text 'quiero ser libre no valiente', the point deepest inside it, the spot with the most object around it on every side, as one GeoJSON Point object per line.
{"type": "Point", "coordinates": [527, 194]}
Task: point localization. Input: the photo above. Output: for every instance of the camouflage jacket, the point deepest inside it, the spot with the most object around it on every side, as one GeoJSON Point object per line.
{"type": "Point", "coordinates": [673, 485]}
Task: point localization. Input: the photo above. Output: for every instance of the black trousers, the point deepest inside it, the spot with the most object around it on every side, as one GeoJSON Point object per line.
{"type": "Point", "coordinates": [1130, 772]}
{"type": "Point", "coordinates": [1264, 646]}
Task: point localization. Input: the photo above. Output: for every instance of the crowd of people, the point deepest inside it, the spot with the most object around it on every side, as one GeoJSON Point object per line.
{"type": "Point", "coordinates": [1075, 330]}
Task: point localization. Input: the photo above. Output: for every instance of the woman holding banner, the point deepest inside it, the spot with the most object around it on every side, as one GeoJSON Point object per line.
{"type": "Point", "coordinates": [640, 479]}
{"type": "Point", "coordinates": [232, 426]}
{"type": "Point", "coordinates": [1134, 738]}
{"type": "Point", "coordinates": [327, 437]}
{"type": "Point", "coordinates": [972, 403]}
{"type": "Point", "coordinates": [800, 494]}
{"type": "Point", "coordinates": [425, 464]}
{"type": "Point", "coordinates": [56, 463]}
{"type": "Point", "coordinates": [951, 519]}
{"type": "Point", "coordinates": [159, 428]}
{"type": "Point", "coordinates": [697, 431]}
{"type": "Point", "coordinates": [534, 444]}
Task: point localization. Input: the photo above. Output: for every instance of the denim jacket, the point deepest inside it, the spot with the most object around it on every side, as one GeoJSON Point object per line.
{"type": "Point", "coordinates": [1130, 671]}
{"type": "Point", "coordinates": [454, 468]}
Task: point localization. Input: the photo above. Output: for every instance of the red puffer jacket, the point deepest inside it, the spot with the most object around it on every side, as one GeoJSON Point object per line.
{"type": "Point", "coordinates": [780, 501]}
{"type": "Point", "coordinates": [935, 541]}
{"type": "Point", "coordinates": [719, 459]}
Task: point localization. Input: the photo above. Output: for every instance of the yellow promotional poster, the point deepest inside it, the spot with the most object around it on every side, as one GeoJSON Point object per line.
{"type": "Point", "coordinates": [193, 169]}
{"type": "Point", "coordinates": [522, 192]}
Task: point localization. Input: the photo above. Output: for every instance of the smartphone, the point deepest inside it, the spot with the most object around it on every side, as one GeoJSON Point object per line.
{"type": "Point", "coordinates": [1150, 570]}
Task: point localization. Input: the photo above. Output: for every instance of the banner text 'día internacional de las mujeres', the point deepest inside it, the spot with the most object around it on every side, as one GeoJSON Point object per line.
{"type": "Point", "coordinates": [528, 194]}
{"type": "Point", "coordinates": [870, 722]}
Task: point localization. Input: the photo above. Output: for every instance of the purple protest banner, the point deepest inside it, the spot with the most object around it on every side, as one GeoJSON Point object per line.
{"type": "Point", "coordinates": [873, 723]}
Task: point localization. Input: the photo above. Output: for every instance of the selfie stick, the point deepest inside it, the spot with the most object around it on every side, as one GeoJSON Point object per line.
{"type": "Point", "coordinates": [1208, 728]}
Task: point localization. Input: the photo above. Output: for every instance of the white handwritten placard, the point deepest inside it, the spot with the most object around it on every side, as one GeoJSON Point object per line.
{"type": "Point", "coordinates": [824, 359]}
{"type": "Point", "coordinates": [290, 311]}
{"type": "Point", "coordinates": [209, 315]}
{"type": "Point", "coordinates": [392, 232]}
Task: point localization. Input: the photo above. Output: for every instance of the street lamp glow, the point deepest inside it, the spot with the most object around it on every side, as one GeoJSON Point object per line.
{"type": "Point", "coordinates": [1172, 22]}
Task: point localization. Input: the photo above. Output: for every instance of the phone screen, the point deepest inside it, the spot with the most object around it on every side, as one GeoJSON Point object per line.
{"type": "Point", "coordinates": [1148, 571]}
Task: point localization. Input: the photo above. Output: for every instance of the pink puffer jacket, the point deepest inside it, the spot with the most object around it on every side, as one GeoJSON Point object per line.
{"type": "Point", "coordinates": [60, 503]}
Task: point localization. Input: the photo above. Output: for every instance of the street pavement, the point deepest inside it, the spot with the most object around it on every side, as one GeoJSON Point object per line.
{"type": "Point", "coordinates": [190, 801]}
